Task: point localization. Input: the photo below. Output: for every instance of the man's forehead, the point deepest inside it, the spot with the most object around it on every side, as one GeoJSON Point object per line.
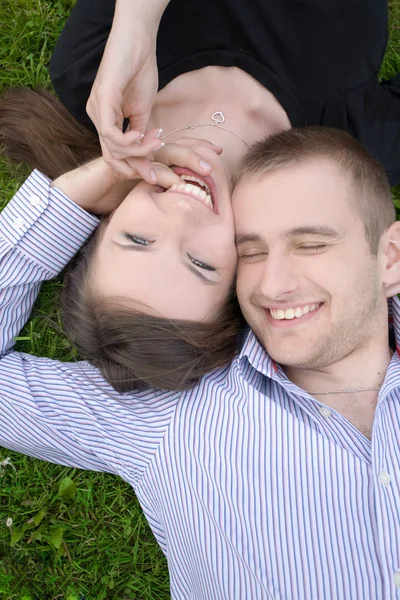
{"type": "Point", "coordinates": [318, 185]}
{"type": "Point", "coordinates": [314, 165]}
{"type": "Point", "coordinates": [290, 211]}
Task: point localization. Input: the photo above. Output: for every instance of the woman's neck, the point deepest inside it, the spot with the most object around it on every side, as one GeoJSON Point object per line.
{"type": "Point", "coordinates": [250, 111]}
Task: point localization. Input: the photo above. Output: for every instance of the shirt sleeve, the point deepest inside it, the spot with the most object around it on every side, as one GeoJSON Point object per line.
{"type": "Point", "coordinates": [40, 231]}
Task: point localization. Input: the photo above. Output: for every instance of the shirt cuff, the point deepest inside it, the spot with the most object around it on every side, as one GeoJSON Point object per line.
{"type": "Point", "coordinates": [45, 224]}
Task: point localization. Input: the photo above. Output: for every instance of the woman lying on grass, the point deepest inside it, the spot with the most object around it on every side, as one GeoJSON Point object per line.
{"type": "Point", "coordinates": [150, 301]}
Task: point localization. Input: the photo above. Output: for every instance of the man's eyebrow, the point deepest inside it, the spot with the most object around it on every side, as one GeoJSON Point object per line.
{"type": "Point", "coordinates": [241, 238]}
{"type": "Point", "coordinates": [312, 230]}
{"type": "Point", "coordinates": [322, 230]}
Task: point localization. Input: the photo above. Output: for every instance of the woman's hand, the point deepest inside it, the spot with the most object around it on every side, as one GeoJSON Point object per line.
{"type": "Point", "coordinates": [127, 81]}
{"type": "Point", "coordinates": [99, 189]}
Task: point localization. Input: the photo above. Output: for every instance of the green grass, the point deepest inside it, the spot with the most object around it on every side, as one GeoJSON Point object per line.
{"type": "Point", "coordinates": [95, 545]}
{"type": "Point", "coordinates": [107, 549]}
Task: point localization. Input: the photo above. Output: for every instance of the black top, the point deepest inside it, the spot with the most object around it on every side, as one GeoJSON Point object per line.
{"type": "Point", "coordinates": [320, 59]}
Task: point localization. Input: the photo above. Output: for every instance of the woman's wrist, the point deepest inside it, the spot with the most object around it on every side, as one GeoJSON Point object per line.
{"type": "Point", "coordinates": [88, 184]}
{"type": "Point", "coordinates": [143, 15]}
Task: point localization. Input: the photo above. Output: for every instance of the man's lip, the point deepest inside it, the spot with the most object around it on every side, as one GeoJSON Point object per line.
{"type": "Point", "coordinates": [291, 305]}
{"type": "Point", "coordinates": [289, 323]}
{"type": "Point", "coordinates": [208, 180]}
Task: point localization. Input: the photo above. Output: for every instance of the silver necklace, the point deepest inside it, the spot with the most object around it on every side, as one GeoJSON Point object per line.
{"type": "Point", "coordinates": [371, 389]}
{"type": "Point", "coordinates": [217, 118]}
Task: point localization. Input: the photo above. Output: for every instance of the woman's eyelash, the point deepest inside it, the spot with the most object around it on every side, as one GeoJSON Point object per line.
{"type": "Point", "coordinates": [136, 239]}
{"type": "Point", "coordinates": [200, 264]}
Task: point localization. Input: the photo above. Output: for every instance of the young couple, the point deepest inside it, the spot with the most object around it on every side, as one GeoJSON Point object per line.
{"type": "Point", "coordinates": [276, 474]}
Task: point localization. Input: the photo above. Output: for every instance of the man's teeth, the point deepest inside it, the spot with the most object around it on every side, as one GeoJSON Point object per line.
{"type": "Point", "coordinates": [292, 313]}
{"type": "Point", "coordinates": [203, 193]}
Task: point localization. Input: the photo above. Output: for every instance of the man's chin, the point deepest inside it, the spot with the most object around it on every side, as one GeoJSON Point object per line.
{"type": "Point", "coordinates": [293, 357]}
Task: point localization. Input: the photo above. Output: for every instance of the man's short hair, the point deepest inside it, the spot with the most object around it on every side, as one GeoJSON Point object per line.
{"type": "Point", "coordinates": [297, 146]}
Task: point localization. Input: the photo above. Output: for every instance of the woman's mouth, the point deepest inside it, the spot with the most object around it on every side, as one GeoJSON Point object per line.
{"type": "Point", "coordinates": [202, 189]}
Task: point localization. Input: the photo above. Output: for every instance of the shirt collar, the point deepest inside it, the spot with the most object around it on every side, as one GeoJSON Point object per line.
{"type": "Point", "coordinates": [254, 353]}
{"type": "Point", "coordinates": [260, 360]}
{"type": "Point", "coordinates": [394, 319]}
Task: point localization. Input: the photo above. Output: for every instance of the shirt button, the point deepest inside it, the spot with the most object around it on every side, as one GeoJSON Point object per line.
{"type": "Point", "coordinates": [396, 579]}
{"type": "Point", "coordinates": [325, 412]}
{"type": "Point", "coordinates": [34, 200]}
{"type": "Point", "coordinates": [19, 223]}
{"type": "Point", "coordinates": [385, 479]}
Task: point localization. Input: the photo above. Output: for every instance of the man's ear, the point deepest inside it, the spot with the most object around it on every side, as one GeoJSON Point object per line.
{"type": "Point", "coordinates": [391, 257]}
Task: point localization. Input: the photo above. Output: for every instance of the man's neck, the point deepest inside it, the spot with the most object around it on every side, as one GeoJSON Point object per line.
{"type": "Point", "coordinates": [362, 369]}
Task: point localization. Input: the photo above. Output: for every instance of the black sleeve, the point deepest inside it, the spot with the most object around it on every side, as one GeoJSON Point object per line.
{"type": "Point", "coordinates": [381, 133]}
{"type": "Point", "coordinates": [78, 53]}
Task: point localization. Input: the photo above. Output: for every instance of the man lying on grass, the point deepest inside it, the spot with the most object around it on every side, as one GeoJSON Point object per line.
{"type": "Point", "coordinates": [276, 475]}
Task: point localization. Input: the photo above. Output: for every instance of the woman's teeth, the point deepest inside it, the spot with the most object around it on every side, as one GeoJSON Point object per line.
{"type": "Point", "coordinates": [292, 313]}
{"type": "Point", "coordinates": [203, 193]}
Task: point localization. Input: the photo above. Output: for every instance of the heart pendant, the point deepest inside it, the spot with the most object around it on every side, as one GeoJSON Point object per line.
{"type": "Point", "coordinates": [217, 117]}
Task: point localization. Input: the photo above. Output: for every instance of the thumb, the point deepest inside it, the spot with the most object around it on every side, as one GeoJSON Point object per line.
{"type": "Point", "coordinates": [139, 122]}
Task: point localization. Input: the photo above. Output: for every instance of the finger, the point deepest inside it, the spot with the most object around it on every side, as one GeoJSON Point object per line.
{"type": "Point", "coordinates": [152, 134]}
{"type": "Point", "coordinates": [119, 166]}
{"type": "Point", "coordinates": [139, 122]}
{"type": "Point", "coordinates": [122, 168]}
{"type": "Point", "coordinates": [117, 141]}
{"type": "Point", "coordinates": [154, 172]}
{"type": "Point", "coordinates": [182, 156]}
{"type": "Point", "coordinates": [128, 139]}
{"type": "Point", "coordinates": [137, 150]}
{"type": "Point", "coordinates": [143, 145]}
{"type": "Point", "coordinates": [190, 142]}
{"type": "Point", "coordinates": [165, 176]}
{"type": "Point", "coordinates": [143, 168]}
{"type": "Point", "coordinates": [109, 123]}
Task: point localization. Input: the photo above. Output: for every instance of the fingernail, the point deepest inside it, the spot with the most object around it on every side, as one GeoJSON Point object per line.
{"type": "Point", "coordinates": [153, 176]}
{"type": "Point", "coordinates": [204, 165]}
{"type": "Point", "coordinates": [159, 132]}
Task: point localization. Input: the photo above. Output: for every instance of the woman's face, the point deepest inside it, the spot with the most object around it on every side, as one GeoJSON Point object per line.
{"type": "Point", "coordinates": [169, 251]}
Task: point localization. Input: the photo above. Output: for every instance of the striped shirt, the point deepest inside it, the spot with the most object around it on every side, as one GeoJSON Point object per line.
{"type": "Point", "coordinates": [252, 488]}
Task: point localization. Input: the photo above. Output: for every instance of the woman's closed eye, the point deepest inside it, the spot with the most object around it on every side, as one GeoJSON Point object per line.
{"type": "Point", "coordinates": [201, 264]}
{"type": "Point", "coordinates": [137, 239]}
{"type": "Point", "coordinates": [140, 240]}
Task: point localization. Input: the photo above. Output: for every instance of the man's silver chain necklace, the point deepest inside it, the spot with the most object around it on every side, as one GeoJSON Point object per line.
{"type": "Point", "coordinates": [217, 118]}
{"type": "Point", "coordinates": [371, 389]}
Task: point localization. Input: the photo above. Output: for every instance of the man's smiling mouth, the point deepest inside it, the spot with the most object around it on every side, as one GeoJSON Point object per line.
{"type": "Point", "coordinates": [292, 313]}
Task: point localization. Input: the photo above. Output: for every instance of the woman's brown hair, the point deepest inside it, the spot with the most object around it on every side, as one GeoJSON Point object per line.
{"type": "Point", "coordinates": [132, 350]}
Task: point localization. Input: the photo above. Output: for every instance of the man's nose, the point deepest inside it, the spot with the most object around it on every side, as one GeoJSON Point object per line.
{"type": "Point", "coordinates": [279, 277]}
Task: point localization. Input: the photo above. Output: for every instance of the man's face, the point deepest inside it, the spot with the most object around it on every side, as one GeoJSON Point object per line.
{"type": "Point", "coordinates": [307, 282]}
